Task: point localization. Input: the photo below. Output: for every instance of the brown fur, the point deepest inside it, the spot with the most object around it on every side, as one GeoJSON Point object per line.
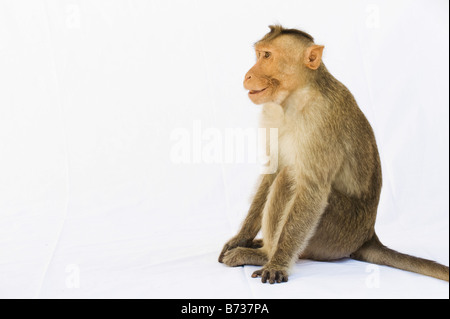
{"type": "Point", "coordinates": [322, 202]}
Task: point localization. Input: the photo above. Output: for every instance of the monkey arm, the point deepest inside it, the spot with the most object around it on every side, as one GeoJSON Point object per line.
{"type": "Point", "coordinates": [252, 223]}
{"type": "Point", "coordinates": [301, 220]}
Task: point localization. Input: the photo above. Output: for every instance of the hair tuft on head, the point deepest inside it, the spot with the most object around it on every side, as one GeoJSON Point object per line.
{"type": "Point", "coordinates": [277, 30]}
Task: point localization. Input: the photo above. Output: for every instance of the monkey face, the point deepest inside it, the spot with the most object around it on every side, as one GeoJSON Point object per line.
{"type": "Point", "coordinates": [273, 76]}
{"type": "Point", "coordinates": [262, 80]}
{"type": "Point", "coordinates": [282, 66]}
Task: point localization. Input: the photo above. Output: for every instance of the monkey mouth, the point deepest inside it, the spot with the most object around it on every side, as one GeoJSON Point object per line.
{"type": "Point", "coordinates": [256, 91]}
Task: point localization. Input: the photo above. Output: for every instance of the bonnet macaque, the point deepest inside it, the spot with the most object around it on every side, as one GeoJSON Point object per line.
{"type": "Point", "coordinates": [321, 203]}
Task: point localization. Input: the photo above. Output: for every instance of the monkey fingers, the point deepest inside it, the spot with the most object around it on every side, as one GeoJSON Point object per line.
{"type": "Point", "coordinates": [271, 274]}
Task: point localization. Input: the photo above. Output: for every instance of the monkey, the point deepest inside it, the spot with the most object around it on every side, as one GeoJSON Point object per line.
{"type": "Point", "coordinates": [322, 201]}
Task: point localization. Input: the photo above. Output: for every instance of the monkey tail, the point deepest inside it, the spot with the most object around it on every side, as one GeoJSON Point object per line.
{"type": "Point", "coordinates": [373, 251]}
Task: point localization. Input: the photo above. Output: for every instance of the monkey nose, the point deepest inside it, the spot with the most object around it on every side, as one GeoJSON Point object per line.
{"type": "Point", "coordinates": [248, 76]}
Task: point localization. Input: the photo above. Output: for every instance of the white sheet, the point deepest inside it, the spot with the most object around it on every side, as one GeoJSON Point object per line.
{"type": "Point", "coordinates": [94, 93]}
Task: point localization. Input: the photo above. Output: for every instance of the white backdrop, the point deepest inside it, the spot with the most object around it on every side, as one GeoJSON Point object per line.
{"type": "Point", "coordinates": [94, 95]}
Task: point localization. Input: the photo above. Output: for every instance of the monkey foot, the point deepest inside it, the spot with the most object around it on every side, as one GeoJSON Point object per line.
{"type": "Point", "coordinates": [272, 274]}
{"type": "Point", "coordinates": [238, 242]}
{"type": "Point", "coordinates": [233, 257]}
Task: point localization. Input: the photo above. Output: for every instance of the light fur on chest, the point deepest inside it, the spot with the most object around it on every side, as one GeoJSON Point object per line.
{"type": "Point", "coordinates": [293, 129]}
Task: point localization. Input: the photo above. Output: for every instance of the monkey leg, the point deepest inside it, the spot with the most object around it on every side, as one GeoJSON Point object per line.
{"type": "Point", "coordinates": [245, 256]}
{"type": "Point", "coordinates": [346, 225]}
{"type": "Point", "coordinates": [252, 223]}
{"type": "Point", "coordinates": [300, 217]}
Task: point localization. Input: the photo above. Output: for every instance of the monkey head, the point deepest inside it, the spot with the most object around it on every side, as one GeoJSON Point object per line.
{"type": "Point", "coordinates": [284, 60]}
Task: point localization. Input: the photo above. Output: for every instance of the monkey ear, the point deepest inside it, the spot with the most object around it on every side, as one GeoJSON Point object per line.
{"type": "Point", "coordinates": [313, 56]}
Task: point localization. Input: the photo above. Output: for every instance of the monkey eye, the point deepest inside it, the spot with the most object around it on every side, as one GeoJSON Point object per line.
{"type": "Point", "coordinates": [267, 55]}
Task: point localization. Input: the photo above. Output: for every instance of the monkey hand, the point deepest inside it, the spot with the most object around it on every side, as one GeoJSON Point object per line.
{"type": "Point", "coordinates": [273, 273]}
{"type": "Point", "coordinates": [239, 242]}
